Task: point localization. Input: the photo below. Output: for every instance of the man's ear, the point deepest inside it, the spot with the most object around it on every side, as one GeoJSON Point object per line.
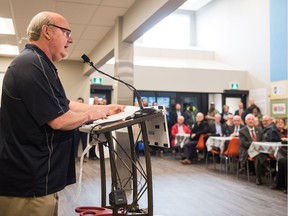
{"type": "Point", "coordinates": [46, 32]}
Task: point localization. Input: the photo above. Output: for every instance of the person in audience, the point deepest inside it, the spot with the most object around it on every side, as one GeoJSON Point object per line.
{"type": "Point", "coordinates": [154, 103]}
{"type": "Point", "coordinates": [281, 175]}
{"type": "Point", "coordinates": [200, 127]}
{"type": "Point", "coordinates": [229, 120]}
{"type": "Point", "coordinates": [96, 101]}
{"type": "Point", "coordinates": [144, 102]}
{"type": "Point", "coordinates": [247, 135]}
{"type": "Point", "coordinates": [175, 113]}
{"type": "Point", "coordinates": [254, 109]}
{"type": "Point", "coordinates": [257, 113]}
{"type": "Point", "coordinates": [217, 128]}
{"type": "Point", "coordinates": [190, 114]}
{"type": "Point", "coordinates": [240, 110]}
{"type": "Point", "coordinates": [283, 132]}
{"type": "Point", "coordinates": [173, 116]}
{"type": "Point", "coordinates": [211, 113]}
{"type": "Point", "coordinates": [225, 113]}
{"type": "Point", "coordinates": [270, 131]}
{"type": "Point", "coordinates": [178, 128]}
{"type": "Point", "coordinates": [104, 101]}
{"type": "Point", "coordinates": [257, 123]}
{"type": "Point", "coordinates": [78, 135]}
{"type": "Point", "coordinates": [234, 128]}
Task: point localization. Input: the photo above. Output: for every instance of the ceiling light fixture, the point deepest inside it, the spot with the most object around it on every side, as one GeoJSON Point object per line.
{"type": "Point", "coordinates": [6, 26]}
{"type": "Point", "coordinates": [6, 49]}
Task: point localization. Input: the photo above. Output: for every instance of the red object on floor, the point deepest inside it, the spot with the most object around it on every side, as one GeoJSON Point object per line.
{"type": "Point", "coordinates": [95, 211]}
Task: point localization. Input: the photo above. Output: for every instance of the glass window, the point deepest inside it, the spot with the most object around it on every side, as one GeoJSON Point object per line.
{"type": "Point", "coordinates": [172, 32]}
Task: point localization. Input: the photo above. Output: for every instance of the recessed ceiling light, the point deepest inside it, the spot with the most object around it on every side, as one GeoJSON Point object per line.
{"type": "Point", "coordinates": [6, 49]}
{"type": "Point", "coordinates": [6, 26]}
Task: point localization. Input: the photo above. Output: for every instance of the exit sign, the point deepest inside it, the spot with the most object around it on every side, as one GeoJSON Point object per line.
{"type": "Point", "coordinates": [234, 85]}
{"type": "Point", "coordinates": [97, 80]}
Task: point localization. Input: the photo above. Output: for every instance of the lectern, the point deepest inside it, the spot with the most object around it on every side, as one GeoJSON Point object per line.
{"type": "Point", "coordinates": [140, 172]}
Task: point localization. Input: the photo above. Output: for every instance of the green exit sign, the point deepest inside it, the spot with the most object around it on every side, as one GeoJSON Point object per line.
{"type": "Point", "coordinates": [97, 80]}
{"type": "Point", "coordinates": [234, 86]}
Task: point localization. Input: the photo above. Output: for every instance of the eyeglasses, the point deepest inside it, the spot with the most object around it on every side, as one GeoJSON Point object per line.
{"type": "Point", "coordinates": [66, 31]}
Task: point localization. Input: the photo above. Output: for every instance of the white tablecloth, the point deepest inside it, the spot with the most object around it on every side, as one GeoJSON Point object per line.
{"type": "Point", "coordinates": [181, 139]}
{"type": "Point", "coordinates": [218, 142]}
{"type": "Point", "coordinates": [264, 147]}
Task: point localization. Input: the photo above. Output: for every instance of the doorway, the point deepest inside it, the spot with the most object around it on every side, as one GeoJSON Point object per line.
{"type": "Point", "coordinates": [233, 97]}
{"type": "Point", "coordinates": [101, 91]}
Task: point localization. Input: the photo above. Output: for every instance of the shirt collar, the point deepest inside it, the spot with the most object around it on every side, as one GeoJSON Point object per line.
{"type": "Point", "coordinates": [41, 53]}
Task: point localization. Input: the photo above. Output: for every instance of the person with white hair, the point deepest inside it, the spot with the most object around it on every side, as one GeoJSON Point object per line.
{"type": "Point", "coordinates": [37, 122]}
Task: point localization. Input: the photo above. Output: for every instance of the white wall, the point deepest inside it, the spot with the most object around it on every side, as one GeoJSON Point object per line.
{"type": "Point", "coordinates": [180, 79]}
{"type": "Point", "coordinates": [238, 32]}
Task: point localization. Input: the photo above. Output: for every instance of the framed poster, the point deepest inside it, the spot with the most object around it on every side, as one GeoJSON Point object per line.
{"type": "Point", "coordinates": [279, 108]}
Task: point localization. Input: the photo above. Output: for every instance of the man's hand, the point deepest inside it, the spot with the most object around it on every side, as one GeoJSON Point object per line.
{"type": "Point", "coordinates": [114, 109]}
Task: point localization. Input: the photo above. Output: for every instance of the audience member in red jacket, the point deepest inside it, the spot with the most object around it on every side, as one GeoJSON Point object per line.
{"type": "Point", "coordinates": [178, 128]}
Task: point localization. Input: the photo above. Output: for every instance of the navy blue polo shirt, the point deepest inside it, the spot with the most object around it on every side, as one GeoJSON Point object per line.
{"type": "Point", "coordinates": [35, 160]}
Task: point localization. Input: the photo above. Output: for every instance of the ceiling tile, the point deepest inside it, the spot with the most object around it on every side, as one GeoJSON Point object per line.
{"type": "Point", "coordinates": [95, 32]}
{"type": "Point", "coordinates": [122, 3]}
{"type": "Point", "coordinates": [86, 44]}
{"type": "Point", "coordinates": [92, 2]}
{"type": "Point", "coordinates": [105, 16]}
{"type": "Point", "coordinates": [76, 13]}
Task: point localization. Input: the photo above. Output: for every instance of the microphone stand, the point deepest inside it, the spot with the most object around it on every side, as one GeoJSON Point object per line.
{"type": "Point", "coordinates": [143, 111]}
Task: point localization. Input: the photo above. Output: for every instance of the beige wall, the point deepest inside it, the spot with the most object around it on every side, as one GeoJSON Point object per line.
{"type": "Point", "coordinates": [75, 83]}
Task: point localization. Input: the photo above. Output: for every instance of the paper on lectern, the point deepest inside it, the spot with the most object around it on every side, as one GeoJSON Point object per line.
{"type": "Point", "coordinates": [128, 111]}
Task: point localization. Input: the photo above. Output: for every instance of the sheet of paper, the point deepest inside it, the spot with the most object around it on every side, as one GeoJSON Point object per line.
{"type": "Point", "coordinates": [128, 111]}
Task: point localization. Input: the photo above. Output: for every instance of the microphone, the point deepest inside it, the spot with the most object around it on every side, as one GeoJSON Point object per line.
{"type": "Point", "coordinates": [143, 111]}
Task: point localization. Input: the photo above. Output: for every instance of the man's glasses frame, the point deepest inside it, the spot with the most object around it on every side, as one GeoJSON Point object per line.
{"type": "Point", "coordinates": [66, 31]}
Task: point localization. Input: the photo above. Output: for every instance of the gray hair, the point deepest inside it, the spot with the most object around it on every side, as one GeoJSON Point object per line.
{"type": "Point", "coordinates": [35, 26]}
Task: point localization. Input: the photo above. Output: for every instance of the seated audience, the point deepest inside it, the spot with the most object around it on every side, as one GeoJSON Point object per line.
{"type": "Point", "coordinates": [270, 130]}
{"type": "Point", "coordinates": [178, 128]}
{"type": "Point", "coordinates": [200, 127]}
{"type": "Point", "coordinates": [257, 123]}
{"type": "Point", "coordinates": [229, 120]}
{"type": "Point", "coordinates": [280, 124]}
{"type": "Point", "coordinates": [173, 115]}
{"type": "Point", "coordinates": [217, 128]}
{"type": "Point", "coordinates": [281, 175]}
{"type": "Point", "coordinates": [247, 135]}
{"type": "Point", "coordinates": [235, 127]}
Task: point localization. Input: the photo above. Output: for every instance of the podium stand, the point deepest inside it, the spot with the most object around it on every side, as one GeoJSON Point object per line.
{"type": "Point", "coordinates": [136, 170]}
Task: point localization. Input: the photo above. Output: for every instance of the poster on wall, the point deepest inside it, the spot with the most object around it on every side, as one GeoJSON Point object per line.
{"type": "Point", "coordinates": [279, 108]}
{"type": "Point", "coordinates": [279, 90]}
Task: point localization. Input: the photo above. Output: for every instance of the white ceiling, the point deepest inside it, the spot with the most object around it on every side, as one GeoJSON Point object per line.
{"type": "Point", "coordinates": [90, 20]}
